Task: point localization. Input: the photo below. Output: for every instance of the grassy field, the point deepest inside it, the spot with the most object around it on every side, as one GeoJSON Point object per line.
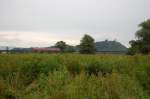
{"type": "Point", "coordinates": [74, 76]}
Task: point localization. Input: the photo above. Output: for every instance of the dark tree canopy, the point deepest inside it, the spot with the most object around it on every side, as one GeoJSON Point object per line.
{"type": "Point", "coordinates": [69, 49]}
{"type": "Point", "coordinates": [142, 44]}
{"type": "Point", "coordinates": [87, 45]}
{"type": "Point", "coordinates": [62, 45]}
{"type": "Point", "coordinates": [65, 47]}
{"type": "Point", "coordinates": [144, 32]}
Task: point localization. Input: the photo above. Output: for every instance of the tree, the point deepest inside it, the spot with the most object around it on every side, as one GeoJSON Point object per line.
{"type": "Point", "coordinates": [135, 46]}
{"type": "Point", "coordinates": [142, 44]}
{"type": "Point", "coordinates": [62, 45]}
{"type": "Point", "coordinates": [69, 49]}
{"type": "Point", "coordinates": [87, 45]}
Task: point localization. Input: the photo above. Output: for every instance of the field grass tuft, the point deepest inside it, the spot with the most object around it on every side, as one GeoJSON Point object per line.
{"type": "Point", "coordinates": [74, 76]}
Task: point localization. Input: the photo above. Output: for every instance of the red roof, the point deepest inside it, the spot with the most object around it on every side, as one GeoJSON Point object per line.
{"type": "Point", "coordinates": [47, 49]}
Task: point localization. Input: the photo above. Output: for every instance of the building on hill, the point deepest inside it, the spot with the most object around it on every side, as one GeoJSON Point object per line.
{"type": "Point", "coordinates": [110, 47]}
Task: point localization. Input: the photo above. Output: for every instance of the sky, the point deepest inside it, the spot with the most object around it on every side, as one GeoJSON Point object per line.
{"type": "Point", "coordinates": [40, 23]}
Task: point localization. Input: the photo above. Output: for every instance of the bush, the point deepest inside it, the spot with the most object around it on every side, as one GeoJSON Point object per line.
{"type": "Point", "coordinates": [95, 67]}
{"type": "Point", "coordinates": [31, 69]}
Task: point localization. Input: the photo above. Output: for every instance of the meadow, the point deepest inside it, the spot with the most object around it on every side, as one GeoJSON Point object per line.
{"type": "Point", "coordinates": [74, 76]}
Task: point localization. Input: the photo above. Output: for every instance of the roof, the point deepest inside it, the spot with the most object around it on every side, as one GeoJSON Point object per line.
{"type": "Point", "coordinates": [110, 46]}
{"type": "Point", "coordinates": [45, 49]}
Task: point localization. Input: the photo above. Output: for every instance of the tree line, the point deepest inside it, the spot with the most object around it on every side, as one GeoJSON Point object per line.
{"type": "Point", "coordinates": [87, 43]}
{"type": "Point", "coordinates": [142, 42]}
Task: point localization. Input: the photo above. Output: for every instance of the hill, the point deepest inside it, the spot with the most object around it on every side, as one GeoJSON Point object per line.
{"type": "Point", "coordinates": [110, 46]}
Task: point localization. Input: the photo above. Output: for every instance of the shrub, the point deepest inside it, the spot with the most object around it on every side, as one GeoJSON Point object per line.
{"type": "Point", "coordinates": [73, 65]}
{"type": "Point", "coordinates": [95, 67]}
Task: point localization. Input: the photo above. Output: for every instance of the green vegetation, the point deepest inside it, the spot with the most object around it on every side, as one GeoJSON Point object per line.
{"type": "Point", "coordinates": [87, 45]}
{"type": "Point", "coordinates": [142, 44]}
{"type": "Point", "coordinates": [62, 45]}
{"type": "Point", "coordinates": [65, 47]}
{"type": "Point", "coordinates": [74, 76]}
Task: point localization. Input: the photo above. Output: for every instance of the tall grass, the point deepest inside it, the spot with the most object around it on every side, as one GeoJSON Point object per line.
{"type": "Point", "coordinates": [74, 76]}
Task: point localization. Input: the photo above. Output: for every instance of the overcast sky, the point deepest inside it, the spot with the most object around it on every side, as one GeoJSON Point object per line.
{"type": "Point", "coordinates": [27, 23]}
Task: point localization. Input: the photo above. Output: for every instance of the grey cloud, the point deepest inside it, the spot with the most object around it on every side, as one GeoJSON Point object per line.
{"type": "Point", "coordinates": [103, 19]}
